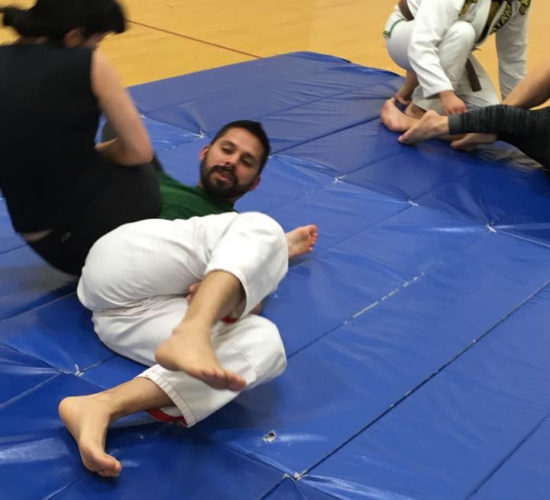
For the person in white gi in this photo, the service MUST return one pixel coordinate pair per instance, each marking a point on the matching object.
(433, 40)
(138, 280)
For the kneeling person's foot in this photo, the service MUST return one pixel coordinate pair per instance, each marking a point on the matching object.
(394, 118)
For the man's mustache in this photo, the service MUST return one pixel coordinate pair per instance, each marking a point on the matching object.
(223, 168)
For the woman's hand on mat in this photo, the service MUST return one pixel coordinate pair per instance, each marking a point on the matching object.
(402, 98)
(404, 94)
(452, 104)
(470, 141)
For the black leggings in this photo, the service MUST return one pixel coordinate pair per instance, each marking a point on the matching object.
(528, 130)
(129, 194)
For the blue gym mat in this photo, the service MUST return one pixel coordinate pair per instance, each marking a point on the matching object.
(416, 331)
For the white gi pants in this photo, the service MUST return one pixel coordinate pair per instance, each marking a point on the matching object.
(454, 50)
(135, 280)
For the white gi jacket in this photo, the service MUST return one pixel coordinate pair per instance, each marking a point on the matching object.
(434, 17)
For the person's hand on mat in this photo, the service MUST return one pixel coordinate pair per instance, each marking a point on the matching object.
(404, 95)
(402, 98)
(470, 141)
(452, 104)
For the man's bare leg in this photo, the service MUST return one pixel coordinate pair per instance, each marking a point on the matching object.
(431, 125)
(394, 118)
(301, 240)
(404, 94)
(88, 417)
(189, 348)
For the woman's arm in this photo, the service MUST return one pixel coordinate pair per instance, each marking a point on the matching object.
(533, 90)
(131, 145)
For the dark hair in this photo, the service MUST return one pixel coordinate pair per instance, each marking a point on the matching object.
(256, 129)
(55, 18)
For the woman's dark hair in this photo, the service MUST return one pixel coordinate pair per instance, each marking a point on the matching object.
(53, 19)
(256, 129)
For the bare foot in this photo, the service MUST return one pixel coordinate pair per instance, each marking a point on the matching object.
(393, 118)
(190, 351)
(430, 125)
(470, 141)
(301, 240)
(87, 419)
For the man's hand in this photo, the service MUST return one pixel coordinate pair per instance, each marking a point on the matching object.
(451, 103)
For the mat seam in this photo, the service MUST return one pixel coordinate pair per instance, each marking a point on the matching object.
(412, 391)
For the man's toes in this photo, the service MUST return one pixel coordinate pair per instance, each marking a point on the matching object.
(235, 382)
(236, 386)
(102, 464)
(109, 473)
(114, 468)
(214, 379)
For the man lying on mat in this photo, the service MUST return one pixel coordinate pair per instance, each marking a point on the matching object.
(203, 352)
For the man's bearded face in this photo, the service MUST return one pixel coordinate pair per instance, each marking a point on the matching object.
(230, 166)
(220, 181)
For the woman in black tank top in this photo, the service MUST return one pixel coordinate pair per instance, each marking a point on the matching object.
(62, 190)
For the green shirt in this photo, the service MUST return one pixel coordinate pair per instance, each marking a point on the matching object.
(179, 201)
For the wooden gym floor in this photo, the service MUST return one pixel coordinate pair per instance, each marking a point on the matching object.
(172, 37)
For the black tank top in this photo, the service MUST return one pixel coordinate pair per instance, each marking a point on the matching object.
(49, 167)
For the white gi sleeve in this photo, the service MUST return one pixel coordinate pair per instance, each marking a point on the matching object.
(432, 20)
(511, 42)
